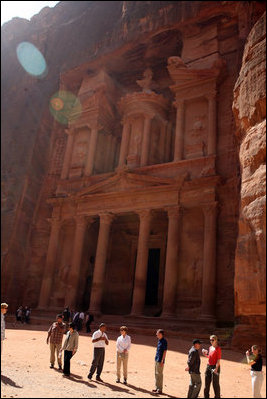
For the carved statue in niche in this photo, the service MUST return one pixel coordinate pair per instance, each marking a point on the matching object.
(177, 62)
(146, 82)
(79, 154)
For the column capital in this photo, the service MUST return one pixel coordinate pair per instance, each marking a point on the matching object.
(210, 208)
(82, 220)
(106, 218)
(54, 221)
(93, 125)
(144, 213)
(173, 211)
(178, 103)
(70, 131)
(211, 95)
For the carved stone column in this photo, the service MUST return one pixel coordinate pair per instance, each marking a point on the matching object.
(124, 142)
(145, 142)
(171, 268)
(139, 292)
(100, 262)
(74, 274)
(179, 132)
(68, 154)
(89, 166)
(212, 124)
(162, 141)
(47, 281)
(209, 262)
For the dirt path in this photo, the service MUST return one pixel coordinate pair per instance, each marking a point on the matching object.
(25, 371)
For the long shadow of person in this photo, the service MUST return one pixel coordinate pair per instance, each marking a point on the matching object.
(115, 387)
(149, 392)
(6, 380)
(79, 379)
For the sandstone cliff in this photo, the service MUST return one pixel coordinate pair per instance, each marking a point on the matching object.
(249, 108)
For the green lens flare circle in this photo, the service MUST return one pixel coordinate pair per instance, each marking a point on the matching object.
(65, 107)
(31, 59)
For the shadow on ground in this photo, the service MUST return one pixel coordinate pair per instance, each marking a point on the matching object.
(6, 380)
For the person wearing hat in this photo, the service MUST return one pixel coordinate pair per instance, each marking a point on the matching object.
(4, 307)
(55, 334)
(193, 369)
(99, 340)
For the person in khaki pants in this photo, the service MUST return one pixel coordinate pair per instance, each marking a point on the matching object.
(123, 345)
(55, 334)
(160, 360)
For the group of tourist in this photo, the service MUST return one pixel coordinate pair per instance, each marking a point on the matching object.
(123, 345)
(22, 315)
(79, 318)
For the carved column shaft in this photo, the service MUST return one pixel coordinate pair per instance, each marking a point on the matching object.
(162, 141)
(89, 166)
(212, 125)
(145, 142)
(171, 268)
(209, 261)
(74, 275)
(124, 142)
(100, 263)
(67, 156)
(179, 133)
(47, 281)
(141, 263)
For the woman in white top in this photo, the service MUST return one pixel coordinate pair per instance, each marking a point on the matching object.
(123, 345)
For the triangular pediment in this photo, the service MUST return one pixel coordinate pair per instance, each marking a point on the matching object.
(125, 181)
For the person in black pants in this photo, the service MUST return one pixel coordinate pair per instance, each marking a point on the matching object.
(193, 368)
(70, 347)
(99, 340)
(212, 373)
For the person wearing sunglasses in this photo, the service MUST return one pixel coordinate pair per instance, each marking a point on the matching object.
(212, 372)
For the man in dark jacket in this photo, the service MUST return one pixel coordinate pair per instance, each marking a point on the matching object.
(193, 368)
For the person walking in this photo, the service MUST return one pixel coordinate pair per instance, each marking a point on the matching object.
(88, 321)
(123, 345)
(4, 308)
(160, 360)
(193, 369)
(99, 340)
(70, 347)
(55, 335)
(254, 359)
(66, 314)
(212, 372)
(27, 314)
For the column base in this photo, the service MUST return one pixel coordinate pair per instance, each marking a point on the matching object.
(207, 318)
(168, 315)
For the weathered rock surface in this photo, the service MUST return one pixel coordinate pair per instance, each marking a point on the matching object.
(249, 107)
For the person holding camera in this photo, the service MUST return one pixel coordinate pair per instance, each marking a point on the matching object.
(212, 372)
(99, 340)
(254, 359)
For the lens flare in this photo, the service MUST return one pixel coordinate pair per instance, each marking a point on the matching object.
(31, 59)
(65, 107)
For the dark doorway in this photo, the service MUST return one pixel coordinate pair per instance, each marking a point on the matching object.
(152, 281)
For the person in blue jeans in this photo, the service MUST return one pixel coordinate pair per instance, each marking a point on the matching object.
(160, 360)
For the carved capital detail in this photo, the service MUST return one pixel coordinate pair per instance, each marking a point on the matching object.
(174, 211)
(210, 208)
(144, 214)
(106, 218)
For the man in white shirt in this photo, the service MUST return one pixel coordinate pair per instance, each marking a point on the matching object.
(99, 340)
(123, 345)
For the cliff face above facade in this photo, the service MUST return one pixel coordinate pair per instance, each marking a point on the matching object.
(249, 108)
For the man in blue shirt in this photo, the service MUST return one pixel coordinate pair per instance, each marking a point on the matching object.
(160, 360)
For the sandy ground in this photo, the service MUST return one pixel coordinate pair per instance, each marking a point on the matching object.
(25, 371)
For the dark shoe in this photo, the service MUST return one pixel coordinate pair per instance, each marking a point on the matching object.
(59, 367)
(99, 379)
(117, 380)
(159, 391)
(51, 366)
(155, 390)
(89, 377)
(65, 375)
(125, 381)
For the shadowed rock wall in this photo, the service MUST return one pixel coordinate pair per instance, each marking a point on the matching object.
(249, 108)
